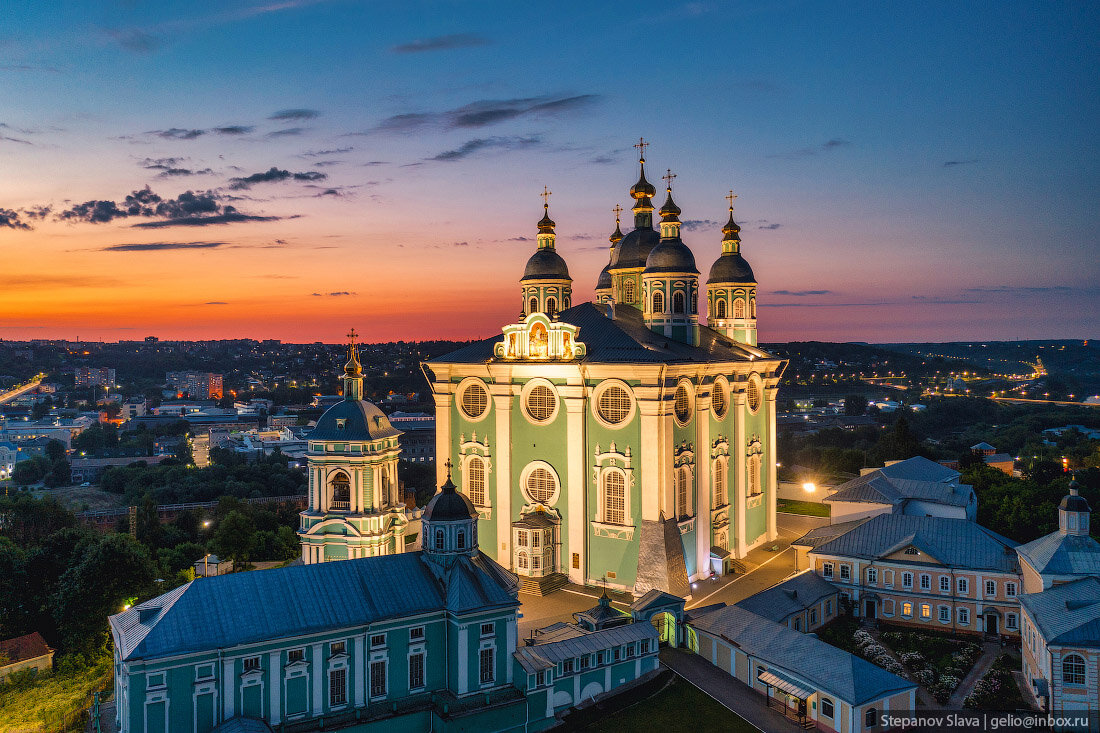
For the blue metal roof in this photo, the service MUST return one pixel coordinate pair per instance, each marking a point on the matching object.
(1062, 554)
(264, 605)
(793, 595)
(832, 670)
(1067, 614)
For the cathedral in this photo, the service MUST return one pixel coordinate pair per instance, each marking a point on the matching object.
(622, 442)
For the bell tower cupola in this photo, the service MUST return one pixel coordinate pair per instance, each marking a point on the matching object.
(604, 289)
(670, 281)
(546, 285)
(449, 525)
(731, 287)
(1073, 513)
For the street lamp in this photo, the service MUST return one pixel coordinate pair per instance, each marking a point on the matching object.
(809, 487)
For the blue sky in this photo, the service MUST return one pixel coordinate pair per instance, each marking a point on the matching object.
(904, 173)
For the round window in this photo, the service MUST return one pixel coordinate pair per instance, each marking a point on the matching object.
(718, 400)
(475, 400)
(682, 408)
(752, 393)
(613, 405)
(541, 485)
(541, 403)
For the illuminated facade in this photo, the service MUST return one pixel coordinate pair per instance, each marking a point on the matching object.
(618, 442)
(355, 507)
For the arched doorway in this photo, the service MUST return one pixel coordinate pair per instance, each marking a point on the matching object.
(665, 624)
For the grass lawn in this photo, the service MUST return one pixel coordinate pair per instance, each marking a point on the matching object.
(51, 701)
(678, 707)
(809, 508)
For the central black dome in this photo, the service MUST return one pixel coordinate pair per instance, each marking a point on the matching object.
(731, 268)
(634, 250)
(671, 255)
(546, 264)
(449, 505)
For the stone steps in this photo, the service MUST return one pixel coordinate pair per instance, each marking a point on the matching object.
(544, 585)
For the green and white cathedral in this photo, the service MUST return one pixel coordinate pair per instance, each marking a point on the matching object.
(355, 507)
(618, 442)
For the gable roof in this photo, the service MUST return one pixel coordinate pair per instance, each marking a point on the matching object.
(793, 595)
(876, 488)
(919, 468)
(1062, 554)
(958, 543)
(22, 648)
(833, 670)
(547, 654)
(827, 533)
(262, 605)
(1067, 614)
(624, 339)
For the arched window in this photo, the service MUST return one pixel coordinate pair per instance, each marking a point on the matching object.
(658, 302)
(719, 482)
(439, 539)
(1073, 670)
(682, 406)
(682, 492)
(551, 306)
(532, 305)
(678, 302)
(537, 341)
(523, 564)
(694, 301)
(566, 301)
(628, 291)
(752, 308)
(341, 491)
(754, 474)
(614, 497)
(475, 481)
(739, 308)
(541, 485)
(461, 543)
(720, 309)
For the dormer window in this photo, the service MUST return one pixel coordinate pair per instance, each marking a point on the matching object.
(341, 423)
(912, 551)
(461, 543)
(439, 539)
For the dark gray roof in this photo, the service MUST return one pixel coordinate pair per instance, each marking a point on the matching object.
(671, 255)
(1062, 554)
(546, 264)
(876, 488)
(827, 533)
(919, 468)
(1074, 503)
(547, 655)
(261, 605)
(999, 458)
(603, 282)
(448, 505)
(242, 725)
(661, 564)
(363, 421)
(982, 446)
(626, 339)
(655, 598)
(1067, 614)
(793, 595)
(634, 249)
(601, 613)
(730, 268)
(957, 543)
(833, 670)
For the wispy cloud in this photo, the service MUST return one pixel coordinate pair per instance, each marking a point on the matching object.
(288, 132)
(1017, 289)
(12, 219)
(692, 225)
(160, 246)
(483, 113)
(335, 294)
(234, 129)
(801, 292)
(228, 216)
(953, 163)
(324, 153)
(441, 43)
(288, 115)
(274, 175)
(479, 145)
(769, 225)
(832, 144)
(190, 208)
(133, 39)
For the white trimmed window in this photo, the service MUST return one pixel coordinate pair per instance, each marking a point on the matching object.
(945, 614)
(658, 302)
(945, 583)
(720, 309)
(719, 402)
(925, 582)
(541, 403)
(487, 665)
(752, 393)
(416, 670)
(682, 475)
(541, 485)
(964, 616)
(628, 291)
(614, 404)
(907, 608)
(614, 497)
(533, 305)
(682, 406)
(872, 575)
(720, 482)
(752, 464)
(739, 308)
(378, 678)
(752, 308)
(1011, 621)
(845, 572)
(906, 580)
(475, 480)
(337, 687)
(827, 570)
(991, 587)
(926, 611)
(1073, 670)
(962, 586)
(1010, 589)
(678, 302)
(474, 400)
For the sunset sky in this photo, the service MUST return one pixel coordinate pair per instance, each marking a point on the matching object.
(905, 172)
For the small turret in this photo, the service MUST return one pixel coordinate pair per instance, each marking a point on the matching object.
(670, 280)
(604, 291)
(449, 524)
(731, 287)
(546, 285)
(353, 371)
(1073, 512)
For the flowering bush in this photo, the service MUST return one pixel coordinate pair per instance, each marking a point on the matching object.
(912, 658)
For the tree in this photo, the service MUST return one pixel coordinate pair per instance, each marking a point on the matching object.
(41, 409)
(149, 531)
(13, 580)
(60, 474)
(970, 459)
(234, 537)
(855, 404)
(30, 471)
(55, 450)
(113, 570)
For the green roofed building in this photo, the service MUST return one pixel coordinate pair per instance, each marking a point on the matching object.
(621, 442)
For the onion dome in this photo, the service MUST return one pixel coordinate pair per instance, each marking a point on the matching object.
(634, 248)
(731, 267)
(449, 504)
(546, 224)
(643, 189)
(353, 420)
(603, 282)
(1073, 502)
(731, 231)
(670, 211)
(671, 255)
(617, 235)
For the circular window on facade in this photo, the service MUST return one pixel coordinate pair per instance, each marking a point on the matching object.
(474, 400)
(614, 405)
(719, 400)
(753, 393)
(540, 403)
(682, 407)
(541, 485)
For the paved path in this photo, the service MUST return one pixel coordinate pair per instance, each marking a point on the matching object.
(727, 690)
(990, 652)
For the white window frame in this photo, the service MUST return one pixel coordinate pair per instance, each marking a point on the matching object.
(826, 570)
(595, 402)
(907, 579)
(526, 473)
(872, 576)
(525, 393)
(461, 390)
(962, 586)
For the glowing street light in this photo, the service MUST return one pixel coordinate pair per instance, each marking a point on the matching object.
(809, 487)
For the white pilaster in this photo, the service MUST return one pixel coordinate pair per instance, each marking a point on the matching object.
(463, 661)
(359, 676)
(649, 410)
(229, 692)
(318, 674)
(771, 456)
(443, 400)
(275, 687)
(738, 451)
(502, 496)
(577, 519)
(702, 485)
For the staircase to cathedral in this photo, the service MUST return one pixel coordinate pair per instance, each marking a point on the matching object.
(544, 585)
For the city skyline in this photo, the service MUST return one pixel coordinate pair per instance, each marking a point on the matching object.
(917, 174)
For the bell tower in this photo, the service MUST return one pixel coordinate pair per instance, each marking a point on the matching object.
(546, 285)
(731, 287)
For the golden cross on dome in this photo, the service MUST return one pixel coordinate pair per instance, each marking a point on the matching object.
(546, 194)
(448, 464)
(642, 145)
(668, 176)
(618, 209)
(352, 335)
(730, 197)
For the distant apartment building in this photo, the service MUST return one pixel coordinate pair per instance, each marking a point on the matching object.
(133, 408)
(95, 377)
(197, 385)
(417, 435)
